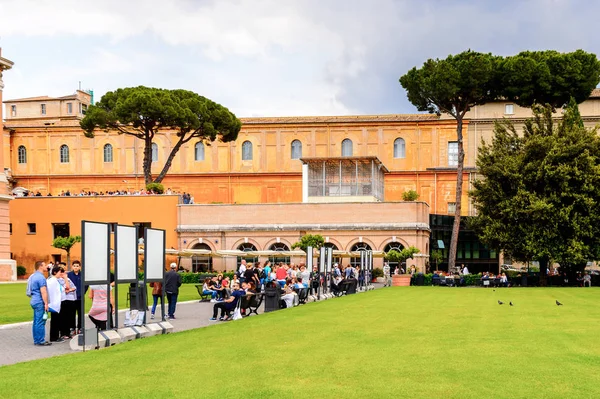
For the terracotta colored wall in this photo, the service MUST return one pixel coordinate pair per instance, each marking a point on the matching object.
(161, 211)
(228, 226)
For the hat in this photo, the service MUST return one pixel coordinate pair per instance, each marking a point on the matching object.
(335, 265)
(173, 265)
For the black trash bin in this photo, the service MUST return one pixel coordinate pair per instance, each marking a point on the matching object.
(137, 296)
(272, 296)
(524, 280)
(420, 279)
(351, 289)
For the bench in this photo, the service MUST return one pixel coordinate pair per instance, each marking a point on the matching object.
(250, 303)
(203, 297)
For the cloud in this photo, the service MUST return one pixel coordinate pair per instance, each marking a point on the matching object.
(272, 57)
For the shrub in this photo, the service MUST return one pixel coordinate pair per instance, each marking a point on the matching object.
(377, 272)
(410, 195)
(155, 187)
(21, 271)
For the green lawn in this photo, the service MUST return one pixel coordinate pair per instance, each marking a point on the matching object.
(405, 342)
(14, 304)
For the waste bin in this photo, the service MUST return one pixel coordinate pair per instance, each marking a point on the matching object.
(420, 279)
(524, 280)
(137, 296)
(272, 296)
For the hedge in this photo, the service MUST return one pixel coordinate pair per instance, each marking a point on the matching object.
(196, 278)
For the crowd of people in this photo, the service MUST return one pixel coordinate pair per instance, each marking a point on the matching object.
(254, 278)
(60, 296)
(186, 198)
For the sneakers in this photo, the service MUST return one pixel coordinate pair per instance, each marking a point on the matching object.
(213, 319)
(59, 340)
(172, 317)
(45, 343)
(213, 301)
(152, 316)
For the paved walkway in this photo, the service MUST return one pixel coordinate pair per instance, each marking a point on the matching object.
(16, 342)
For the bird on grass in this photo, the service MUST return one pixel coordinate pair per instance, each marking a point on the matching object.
(558, 303)
(500, 302)
(511, 304)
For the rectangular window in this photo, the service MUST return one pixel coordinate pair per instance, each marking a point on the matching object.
(69, 108)
(451, 208)
(43, 109)
(509, 109)
(61, 230)
(10, 228)
(453, 153)
(31, 228)
(83, 108)
(13, 110)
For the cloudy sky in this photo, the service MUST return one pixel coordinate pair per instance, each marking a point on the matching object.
(271, 57)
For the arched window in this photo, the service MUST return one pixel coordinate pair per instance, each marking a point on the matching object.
(347, 148)
(201, 263)
(335, 259)
(394, 245)
(399, 148)
(296, 149)
(64, 153)
(154, 152)
(246, 151)
(199, 151)
(279, 246)
(246, 247)
(108, 153)
(359, 246)
(22, 154)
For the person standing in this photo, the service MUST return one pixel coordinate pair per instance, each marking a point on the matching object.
(156, 295)
(386, 275)
(75, 276)
(172, 284)
(55, 294)
(100, 296)
(37, 290)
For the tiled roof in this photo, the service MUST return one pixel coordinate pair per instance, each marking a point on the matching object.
(340, 119)
(38, 98)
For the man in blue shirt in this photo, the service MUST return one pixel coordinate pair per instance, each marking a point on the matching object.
(228, 304)
(37, 290)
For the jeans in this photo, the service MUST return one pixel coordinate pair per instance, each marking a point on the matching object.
(212, 293)
(39, 324)
(172, 304)
(156, 298)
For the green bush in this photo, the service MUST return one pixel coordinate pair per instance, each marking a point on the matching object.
(196, 278)
(410, 195)
(21, 271)
(155, 187)
(377, 272)
(427, 279)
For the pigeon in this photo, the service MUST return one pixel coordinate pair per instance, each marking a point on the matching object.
(500, 303)
(558, 303)
(511, 304)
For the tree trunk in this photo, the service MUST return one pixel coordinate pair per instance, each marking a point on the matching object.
(459, 183)
(147, 162)
(69, 260)
(167, 166)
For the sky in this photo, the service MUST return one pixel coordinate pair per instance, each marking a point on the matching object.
(271, 57)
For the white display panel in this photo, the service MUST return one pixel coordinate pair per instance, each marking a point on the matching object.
(155, 254)
(127, 253)
(95, 251)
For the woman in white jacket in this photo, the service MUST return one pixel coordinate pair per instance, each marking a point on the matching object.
(54, 302)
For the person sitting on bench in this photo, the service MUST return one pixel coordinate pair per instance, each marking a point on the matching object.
(228, 304)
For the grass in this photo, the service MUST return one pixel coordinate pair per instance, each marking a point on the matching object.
(14, 304)
(409, 342)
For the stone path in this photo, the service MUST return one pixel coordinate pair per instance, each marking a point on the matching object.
(16, 342)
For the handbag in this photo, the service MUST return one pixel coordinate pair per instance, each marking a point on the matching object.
(237, 313)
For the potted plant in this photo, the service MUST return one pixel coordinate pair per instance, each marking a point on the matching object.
(401, 257)
(376, 273)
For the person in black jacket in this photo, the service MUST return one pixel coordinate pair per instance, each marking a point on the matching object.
(171, 287)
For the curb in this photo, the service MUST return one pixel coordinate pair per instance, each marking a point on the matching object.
(28, 323)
